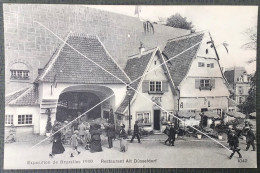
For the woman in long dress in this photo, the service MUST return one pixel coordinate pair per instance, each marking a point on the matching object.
(123, 136)
(95, 145)
(57, 147)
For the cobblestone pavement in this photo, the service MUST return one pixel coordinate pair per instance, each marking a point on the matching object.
(187, 153)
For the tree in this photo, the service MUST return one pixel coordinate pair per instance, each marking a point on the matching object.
(251, 44)
(249, 105)
(177, 21)
(251, 33)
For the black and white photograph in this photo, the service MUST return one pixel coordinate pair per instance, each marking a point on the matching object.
(129, 86)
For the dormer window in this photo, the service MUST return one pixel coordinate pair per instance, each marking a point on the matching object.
(19, 71)
(20, 74)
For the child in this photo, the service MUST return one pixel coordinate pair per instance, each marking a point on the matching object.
(87, 139)
(123, 136)
(74, 143)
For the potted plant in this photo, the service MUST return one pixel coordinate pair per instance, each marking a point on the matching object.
(220, 137)
(48, 125)
(199, 135)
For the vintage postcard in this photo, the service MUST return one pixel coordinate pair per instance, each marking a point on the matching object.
(90, 86)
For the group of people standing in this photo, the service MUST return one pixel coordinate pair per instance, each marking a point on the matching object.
(170, 131)
(87, 136)
(233, 140)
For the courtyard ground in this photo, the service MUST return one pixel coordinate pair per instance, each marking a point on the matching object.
(188, 152)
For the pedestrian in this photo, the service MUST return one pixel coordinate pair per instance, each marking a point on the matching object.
(234, 144)
(250, 139)
(123, 136)
(57, 147)
(95, 145)
(74, 143)
(172, 134)
(167, 132)
(110, 134)
(87, 139)
(136, 133)
(82, 128)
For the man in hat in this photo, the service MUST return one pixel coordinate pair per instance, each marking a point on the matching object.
(167, 132)
(136, 133)
(172, 134)
(234, 143)
(111, 134)
(250, 138)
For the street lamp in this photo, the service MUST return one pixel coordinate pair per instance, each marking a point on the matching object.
(128, 92)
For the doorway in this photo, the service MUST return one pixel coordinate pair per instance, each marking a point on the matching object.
(156, 119)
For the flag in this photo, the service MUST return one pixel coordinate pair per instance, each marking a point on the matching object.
(225, 45)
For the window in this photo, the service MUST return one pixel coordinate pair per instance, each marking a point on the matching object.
(167, 116)
(9, 119)
(219, 111)
(201, 64)
(240, 100)
(152, 86)
(211, 65)
(24, 119)
(20, 74)
(158, 86)
(143, 117)
(240, 90)
(204, 83)
(181, 105)
(155, 86)
(208, 103)
(155, 62)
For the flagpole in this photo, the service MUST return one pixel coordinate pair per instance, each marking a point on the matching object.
(213, 46)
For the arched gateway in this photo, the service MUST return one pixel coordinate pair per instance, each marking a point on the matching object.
(76, 100)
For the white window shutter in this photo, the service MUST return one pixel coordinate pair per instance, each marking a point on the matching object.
(212, 82)
(145, 86)
(197, 83)
(164, 86)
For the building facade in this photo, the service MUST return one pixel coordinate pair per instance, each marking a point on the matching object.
(154, 101)
(240, 82)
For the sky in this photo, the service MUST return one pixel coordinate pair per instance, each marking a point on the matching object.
(225, 23)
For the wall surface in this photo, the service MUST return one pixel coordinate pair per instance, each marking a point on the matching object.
(26, 40)
(25, 110)
(167, 99)
(193, 98)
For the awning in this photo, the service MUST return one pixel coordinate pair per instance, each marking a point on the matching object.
(188, 114)
(211, 114)
(253, 114)
(236, 114)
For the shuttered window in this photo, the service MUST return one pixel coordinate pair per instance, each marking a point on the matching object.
(145, 86)
(154, 86)
(204, 84)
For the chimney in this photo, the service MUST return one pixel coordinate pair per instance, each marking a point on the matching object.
(141, 48)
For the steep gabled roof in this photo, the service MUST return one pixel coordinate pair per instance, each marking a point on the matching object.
(179, 66)
(14, 96)
(135, 68)
(69, 65)
(26, 97)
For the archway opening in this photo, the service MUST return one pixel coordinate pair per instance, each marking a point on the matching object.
(72, 104)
